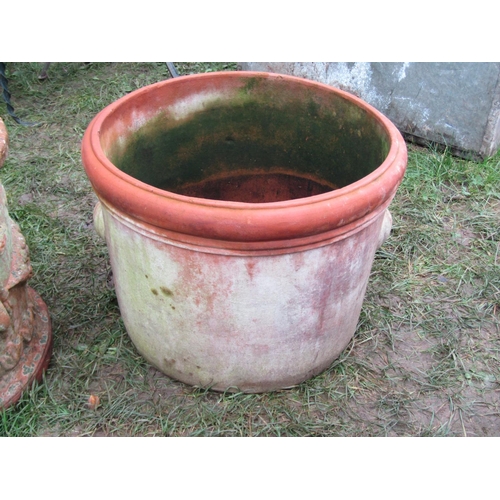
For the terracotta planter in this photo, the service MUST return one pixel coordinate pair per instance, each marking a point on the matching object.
(242, 212)
(25, 331)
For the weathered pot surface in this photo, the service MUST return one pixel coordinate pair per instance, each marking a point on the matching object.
(25, 330)
(242, 212)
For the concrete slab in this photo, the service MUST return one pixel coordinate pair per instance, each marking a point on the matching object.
(452, 104)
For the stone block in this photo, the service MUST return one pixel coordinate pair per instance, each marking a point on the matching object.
(452, 104)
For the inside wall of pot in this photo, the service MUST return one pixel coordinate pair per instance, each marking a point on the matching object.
(262, 143)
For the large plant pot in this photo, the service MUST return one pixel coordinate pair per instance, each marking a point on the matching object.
(242, 212)
(25, 330)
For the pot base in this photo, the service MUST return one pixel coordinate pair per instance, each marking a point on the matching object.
(35, 358)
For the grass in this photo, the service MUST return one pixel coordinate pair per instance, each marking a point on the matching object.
(425, 360)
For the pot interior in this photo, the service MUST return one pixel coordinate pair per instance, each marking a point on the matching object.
(260, 140)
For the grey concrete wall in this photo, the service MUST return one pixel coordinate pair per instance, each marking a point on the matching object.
(454, 104)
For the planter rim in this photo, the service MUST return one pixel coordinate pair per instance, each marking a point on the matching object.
(239, 221)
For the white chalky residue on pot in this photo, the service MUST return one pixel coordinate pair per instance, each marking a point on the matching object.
(192, 104)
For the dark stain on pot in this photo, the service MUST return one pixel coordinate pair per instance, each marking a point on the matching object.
(263, 144)
(154, 291)
(166, 291)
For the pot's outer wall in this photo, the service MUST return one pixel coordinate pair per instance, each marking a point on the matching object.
(230, 295)
(238, 322)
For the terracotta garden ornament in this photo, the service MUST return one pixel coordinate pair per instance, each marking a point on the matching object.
(25, 330)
